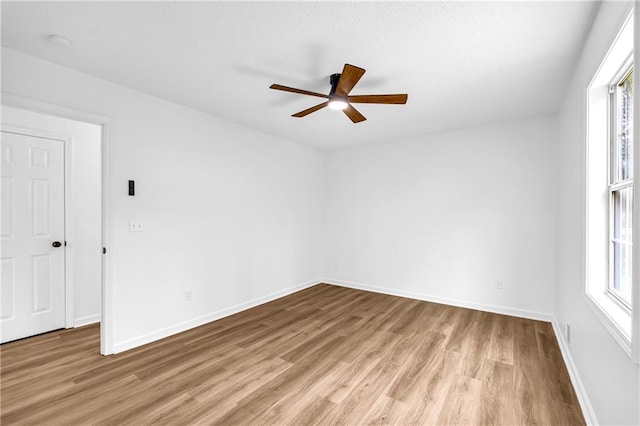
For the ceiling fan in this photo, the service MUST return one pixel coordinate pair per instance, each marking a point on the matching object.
(339, 98)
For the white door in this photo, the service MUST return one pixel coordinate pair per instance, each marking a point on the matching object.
(32, 271)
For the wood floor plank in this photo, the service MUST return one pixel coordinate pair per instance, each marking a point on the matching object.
(313, 413)
(530, 375)
(386, 411)
(428, 403)
(559, 386)
(461, 331)
(476, 345)
(463, 402)
(501, 344)
(359, 369)
(325, 355)
(358, 401)
(413, 371)
(498, 389)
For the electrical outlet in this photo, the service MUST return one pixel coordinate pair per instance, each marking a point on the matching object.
(135, 226)
(499, 285)
(187, 296)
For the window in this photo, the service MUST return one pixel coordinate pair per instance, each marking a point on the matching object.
(621, 187)
(609, 287)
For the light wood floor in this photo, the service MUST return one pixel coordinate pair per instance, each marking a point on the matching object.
(325, 355)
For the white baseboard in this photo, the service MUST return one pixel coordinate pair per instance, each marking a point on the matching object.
(213, 316)
(89, 319)
(587, 409)
(541, 316)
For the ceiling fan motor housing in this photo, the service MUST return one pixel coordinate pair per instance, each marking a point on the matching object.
(334, 79)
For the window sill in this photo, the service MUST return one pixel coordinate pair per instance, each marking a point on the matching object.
(614, 317)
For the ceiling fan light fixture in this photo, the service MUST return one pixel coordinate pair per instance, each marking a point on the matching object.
(338, 104)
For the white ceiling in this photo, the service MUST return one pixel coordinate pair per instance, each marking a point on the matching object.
(462, 63)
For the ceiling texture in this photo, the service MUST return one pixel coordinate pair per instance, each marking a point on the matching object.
(463, 64)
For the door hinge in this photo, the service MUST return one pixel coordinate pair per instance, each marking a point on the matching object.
(104, 250)
(612, 89)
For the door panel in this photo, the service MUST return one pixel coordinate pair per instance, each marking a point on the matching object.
(7, 207)
(33, 289)
(39, 207)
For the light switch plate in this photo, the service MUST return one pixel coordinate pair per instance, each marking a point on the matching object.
(135, 226)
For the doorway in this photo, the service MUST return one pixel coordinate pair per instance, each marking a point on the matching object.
(77, 262)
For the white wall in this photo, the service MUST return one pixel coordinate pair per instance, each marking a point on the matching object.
(609, 376)
(445, 216)
(230, 214)
(84, 241)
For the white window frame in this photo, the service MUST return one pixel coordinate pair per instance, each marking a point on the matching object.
(614, 184)
(615, 316)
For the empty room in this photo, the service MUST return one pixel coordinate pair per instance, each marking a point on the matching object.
(319, 213)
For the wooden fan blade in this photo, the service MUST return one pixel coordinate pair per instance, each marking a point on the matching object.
(299, 91)
(353, 114)
(349, 78)
(379, 99)
(310, 110)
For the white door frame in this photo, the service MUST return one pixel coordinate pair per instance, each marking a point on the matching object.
(11, 100)
(68, 213)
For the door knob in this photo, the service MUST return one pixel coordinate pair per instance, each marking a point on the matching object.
(56, 244)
